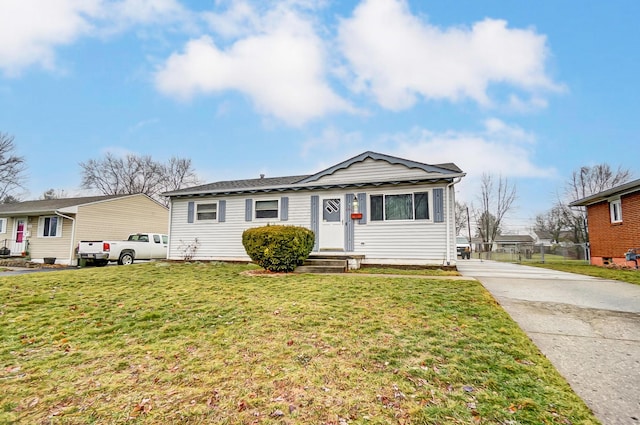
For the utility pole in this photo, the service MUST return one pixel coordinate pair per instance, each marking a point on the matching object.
(469, 229)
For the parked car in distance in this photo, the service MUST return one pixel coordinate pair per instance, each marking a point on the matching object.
(463, 247)
(138, 246)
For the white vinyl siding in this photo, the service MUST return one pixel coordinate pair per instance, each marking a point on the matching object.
(416, 240)
(223, 240)
(419, 240)
(371, 170)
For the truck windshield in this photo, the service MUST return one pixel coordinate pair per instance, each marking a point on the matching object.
(139, 238)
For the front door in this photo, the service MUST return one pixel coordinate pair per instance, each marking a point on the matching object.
(331, 236)
(20, 228)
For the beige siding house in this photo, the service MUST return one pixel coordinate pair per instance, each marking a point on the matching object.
(52, 228)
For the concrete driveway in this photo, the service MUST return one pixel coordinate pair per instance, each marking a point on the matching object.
(589, 328)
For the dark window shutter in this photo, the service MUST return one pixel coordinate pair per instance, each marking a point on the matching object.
(284, 208)
(315, 219)
(362, 206)
(438, 205)
(222, 210)
(349, 228)
(248, 209)
(190, 212)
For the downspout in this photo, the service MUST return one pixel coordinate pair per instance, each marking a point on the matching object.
(73, 234)
(448, 220)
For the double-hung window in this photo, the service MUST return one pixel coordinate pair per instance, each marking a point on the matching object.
(50, 227)
(406, 206)
(3, 225)
(615, 210)
(267, 209)
(207, 212)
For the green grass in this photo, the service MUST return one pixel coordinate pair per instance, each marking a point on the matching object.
(625, 275)
(401, 271)
(203, 343)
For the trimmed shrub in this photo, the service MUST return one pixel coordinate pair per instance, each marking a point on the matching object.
(278, 248)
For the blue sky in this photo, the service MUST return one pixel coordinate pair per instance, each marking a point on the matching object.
(529, 91)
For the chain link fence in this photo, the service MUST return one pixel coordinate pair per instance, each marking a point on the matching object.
(532, 253)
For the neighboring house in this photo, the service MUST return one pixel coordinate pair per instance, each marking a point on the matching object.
(513, 243)
(374, 207)
(543, 238)
(52, 228)
(613, 218)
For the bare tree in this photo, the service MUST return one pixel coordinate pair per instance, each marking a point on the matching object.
(178, 174)
(584, 182)
(12, 167)
(553, 222)
(53, 194)
(496, 199)
(461, 217)
(587, 181)
(10, 199)
(131, 174)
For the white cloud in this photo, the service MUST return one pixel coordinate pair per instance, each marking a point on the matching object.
(498, 149)
(238, 20)
(148, 11)
(281, 67)
(32, 30)
(398, 57)
(333, 140)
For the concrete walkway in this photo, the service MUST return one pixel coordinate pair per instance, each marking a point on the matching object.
(589, 328)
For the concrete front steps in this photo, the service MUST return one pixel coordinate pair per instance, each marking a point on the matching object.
(329, 263)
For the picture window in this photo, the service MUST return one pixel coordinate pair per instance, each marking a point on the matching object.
(408, 206)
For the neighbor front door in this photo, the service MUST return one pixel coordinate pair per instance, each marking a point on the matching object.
(20, 228)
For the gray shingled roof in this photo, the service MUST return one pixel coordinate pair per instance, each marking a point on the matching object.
(448, 170)
(513, 238)
(242, 184)
(50, 205)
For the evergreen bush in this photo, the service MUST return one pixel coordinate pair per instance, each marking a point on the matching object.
(278, 248)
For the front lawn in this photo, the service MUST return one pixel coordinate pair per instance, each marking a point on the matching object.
(406, 271)
(625, 275)
(169, 343)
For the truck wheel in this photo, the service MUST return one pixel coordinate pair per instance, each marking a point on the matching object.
(125, 259)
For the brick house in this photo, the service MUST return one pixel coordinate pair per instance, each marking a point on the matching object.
(613, 218)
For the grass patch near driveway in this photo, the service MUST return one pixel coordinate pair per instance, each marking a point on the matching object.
(203, 343)
(625, 275)
(401, 271)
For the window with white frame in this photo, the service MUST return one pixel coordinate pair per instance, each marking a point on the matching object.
(207, 212)
(50, 227)
(267, 209)
(615, 209)
(406, 206)
(3, 225)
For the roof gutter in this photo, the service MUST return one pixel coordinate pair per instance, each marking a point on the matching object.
(73, 234)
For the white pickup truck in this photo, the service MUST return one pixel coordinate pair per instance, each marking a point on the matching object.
(138, 246)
